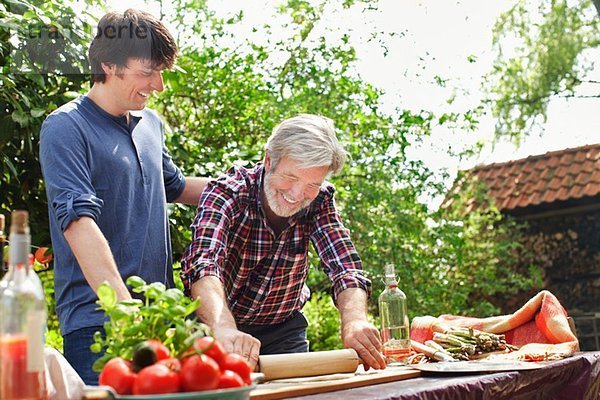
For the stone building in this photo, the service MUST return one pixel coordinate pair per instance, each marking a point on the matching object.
(558, 195)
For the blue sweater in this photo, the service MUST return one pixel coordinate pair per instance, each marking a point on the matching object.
(122, 176)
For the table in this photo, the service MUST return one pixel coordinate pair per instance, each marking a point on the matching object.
(574, 378)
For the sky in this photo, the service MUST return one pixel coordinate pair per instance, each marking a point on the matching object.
(441, 35)
(435, 38)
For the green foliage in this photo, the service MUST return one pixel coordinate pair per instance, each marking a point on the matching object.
(42, 67)
(447, 264)
(220, 105)
(473, 251)
(53, 337)
(458, 260)
(549, 61)
(162, 315)
(323, 331)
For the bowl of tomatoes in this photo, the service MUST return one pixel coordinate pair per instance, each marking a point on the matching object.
(204, 371)
(154, 349)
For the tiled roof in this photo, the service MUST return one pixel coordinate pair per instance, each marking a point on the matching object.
(555, 176)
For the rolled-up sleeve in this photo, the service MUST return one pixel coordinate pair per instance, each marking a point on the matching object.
(208, 250)
(71, 205)
(65, 167)
(172, 175)
(339, 258)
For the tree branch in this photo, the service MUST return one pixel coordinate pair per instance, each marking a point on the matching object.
(594, 96)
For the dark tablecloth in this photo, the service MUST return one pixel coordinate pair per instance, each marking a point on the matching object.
(574, 378)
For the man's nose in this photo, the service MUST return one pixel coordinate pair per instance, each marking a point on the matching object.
(297, 191)
(157, 82)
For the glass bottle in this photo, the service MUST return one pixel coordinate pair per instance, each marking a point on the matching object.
(394, 319)
(22, 320)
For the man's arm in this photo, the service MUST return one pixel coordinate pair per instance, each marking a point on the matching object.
(94, 256)
(72, 197)
(192, 191)
(350, 286)
(357, 332)
(201, 271)
(214, 312)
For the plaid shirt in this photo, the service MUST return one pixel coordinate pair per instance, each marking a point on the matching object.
(264, 275)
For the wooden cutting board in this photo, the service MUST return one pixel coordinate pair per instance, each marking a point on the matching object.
(286, 388)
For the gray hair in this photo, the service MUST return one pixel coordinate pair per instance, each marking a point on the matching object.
(309, 140)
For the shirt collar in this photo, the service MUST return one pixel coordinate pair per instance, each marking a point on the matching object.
(134, 116)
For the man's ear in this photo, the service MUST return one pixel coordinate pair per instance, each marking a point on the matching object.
(267, 161)
(109, 69)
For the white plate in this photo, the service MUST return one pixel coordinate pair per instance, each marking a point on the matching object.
(477, 366)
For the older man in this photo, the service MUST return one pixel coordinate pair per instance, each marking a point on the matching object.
(248, 261)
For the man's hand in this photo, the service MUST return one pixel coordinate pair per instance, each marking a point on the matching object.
(234, 341)
(213, 311)
(357, 332)
(363, 337)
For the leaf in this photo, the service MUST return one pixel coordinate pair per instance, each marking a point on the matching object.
(178, 310)
(172, 296)
(71, 95)
(99, 363)
(192, 307)
(11, 166)
(133, 330)
(38, 80)
(37, 112)
(135, 282)
(155, 290)
(107, 296)
(119, 312)
(96, 347)
(132, 303)
(20, 117)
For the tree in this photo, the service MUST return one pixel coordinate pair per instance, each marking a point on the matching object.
(43, 66)
(219, 107)
(229, 94)
(555, 40)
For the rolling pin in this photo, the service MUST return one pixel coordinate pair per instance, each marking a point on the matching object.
(296, 365)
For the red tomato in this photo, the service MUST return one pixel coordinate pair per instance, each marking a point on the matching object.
(209, 346)
(43, 255)
(156, 379)
(173, 364)
(236, 363)
(162, 352)
(199, 372)
(230, 379)
(118, 375)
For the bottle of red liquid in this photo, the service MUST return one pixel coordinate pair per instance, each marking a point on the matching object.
(22, 320)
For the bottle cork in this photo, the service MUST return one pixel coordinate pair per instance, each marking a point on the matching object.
(19, 223)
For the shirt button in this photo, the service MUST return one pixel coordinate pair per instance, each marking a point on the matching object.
(69, 196)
